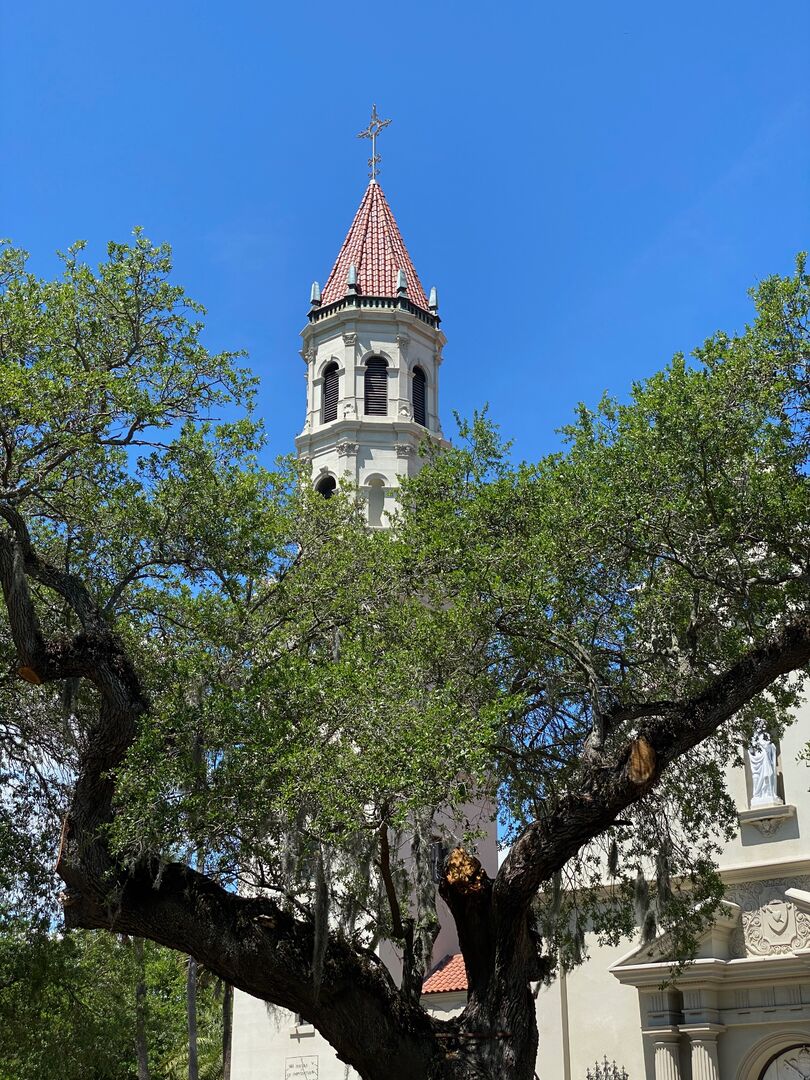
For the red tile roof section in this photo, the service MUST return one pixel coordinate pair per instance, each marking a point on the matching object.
(449, 974)
(374, 245)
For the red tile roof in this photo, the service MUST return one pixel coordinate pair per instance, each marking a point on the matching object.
(374, 245)
(449, 974)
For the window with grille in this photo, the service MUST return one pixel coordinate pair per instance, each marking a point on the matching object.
(419, 396)
(376, 387)
(330, 393)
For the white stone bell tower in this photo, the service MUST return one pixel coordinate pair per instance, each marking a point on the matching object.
(372, 346)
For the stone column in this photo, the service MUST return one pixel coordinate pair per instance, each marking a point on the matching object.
(705, 1065)
(348, 402)
(667, 1060)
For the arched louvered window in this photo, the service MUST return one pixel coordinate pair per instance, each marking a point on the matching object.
(419, 413)
(376, 387)
(330, 393)
(326, 487)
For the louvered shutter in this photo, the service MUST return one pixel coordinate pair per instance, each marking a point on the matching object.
(376, 387)
(419, 396)
(330, 393)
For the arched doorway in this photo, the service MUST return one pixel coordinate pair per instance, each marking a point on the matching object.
(789, 1064)
(772, 1057)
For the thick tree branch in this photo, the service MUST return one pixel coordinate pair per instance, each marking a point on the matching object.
(251, 943)
(257, 947)
(615, 783)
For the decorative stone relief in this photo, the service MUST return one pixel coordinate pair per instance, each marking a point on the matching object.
(402, 342)
(345, 449)
(350, 340)
(768, 825)
(405, 411)
(770, 924)
(404, 449)
(348, 410)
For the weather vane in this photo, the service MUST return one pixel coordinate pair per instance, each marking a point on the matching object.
(371, 132)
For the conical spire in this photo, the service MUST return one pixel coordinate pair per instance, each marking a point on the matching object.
(375, 250)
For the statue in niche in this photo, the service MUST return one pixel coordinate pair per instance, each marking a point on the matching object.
(762, 756)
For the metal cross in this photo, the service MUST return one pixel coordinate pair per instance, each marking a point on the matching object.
(371, 132)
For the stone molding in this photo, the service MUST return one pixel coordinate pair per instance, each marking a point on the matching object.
(792, 866)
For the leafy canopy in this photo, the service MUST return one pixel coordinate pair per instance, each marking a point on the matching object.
(311, 682)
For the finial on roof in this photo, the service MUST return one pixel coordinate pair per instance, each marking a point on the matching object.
(351, 279)
(433, 302)
(315, 294)
(371, 132)
(402, 283)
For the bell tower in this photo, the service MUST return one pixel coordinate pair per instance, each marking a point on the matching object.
(372, 346)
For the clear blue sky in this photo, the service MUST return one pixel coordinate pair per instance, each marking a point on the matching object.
(590, 186)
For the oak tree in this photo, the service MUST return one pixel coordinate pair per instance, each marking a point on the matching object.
(210, 666)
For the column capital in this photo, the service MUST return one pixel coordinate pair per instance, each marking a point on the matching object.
(702, 1032)
(662, 1034)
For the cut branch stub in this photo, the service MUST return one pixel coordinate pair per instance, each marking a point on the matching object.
(467, 890)
(641, 762)
(463, 873)
(29, 675)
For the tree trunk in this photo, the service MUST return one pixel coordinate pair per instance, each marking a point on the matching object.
(227, 1030)
(141, 1047)
(497, 1034)
(255, 944)
(191, 1012)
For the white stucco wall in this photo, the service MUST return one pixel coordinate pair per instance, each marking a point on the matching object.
(603, 1019)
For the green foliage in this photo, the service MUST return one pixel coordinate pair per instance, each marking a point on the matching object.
(669, 539)
(311, 681)
(67, 1008)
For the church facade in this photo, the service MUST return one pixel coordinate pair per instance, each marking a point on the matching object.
(373, 348)
(741, 1011)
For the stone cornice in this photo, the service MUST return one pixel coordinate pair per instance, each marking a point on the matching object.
(762, 871)
(333, 324)
(400, 304)
(363, 430)
(710, 974)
